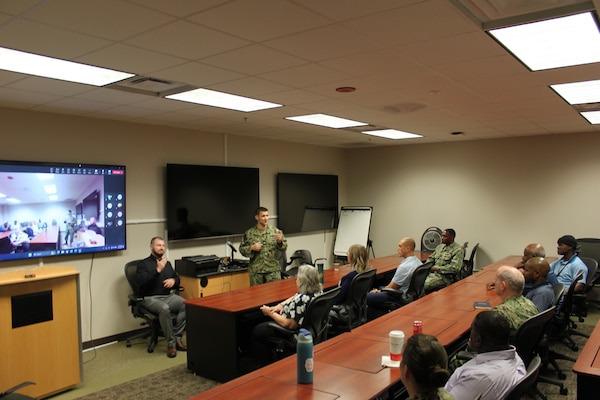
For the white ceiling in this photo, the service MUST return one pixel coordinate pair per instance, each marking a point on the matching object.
(421, 66)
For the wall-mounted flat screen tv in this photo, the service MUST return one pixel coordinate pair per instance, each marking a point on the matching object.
(205, 201)
(306, 202)
(55, 208)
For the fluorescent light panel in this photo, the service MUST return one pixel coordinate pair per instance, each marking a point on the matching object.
(579, 92)
(392, 134)
(328, 121)
(223, 100)
(592, 116)
(553, 43)
(48, 67)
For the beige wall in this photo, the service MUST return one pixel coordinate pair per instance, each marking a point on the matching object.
(501, 193)
(145, 150)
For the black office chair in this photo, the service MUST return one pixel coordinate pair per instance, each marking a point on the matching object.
(353, 312)
(589, 247)
(528, 340)
(316, 320)
(296, 260)
(468, 264)
(528, 381)
(415, 288)
(399, 299)
(11, 395)
(558, 330)
(559, 291)
(153, 330)
(580, 300)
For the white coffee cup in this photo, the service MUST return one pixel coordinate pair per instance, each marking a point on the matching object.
(396, 343)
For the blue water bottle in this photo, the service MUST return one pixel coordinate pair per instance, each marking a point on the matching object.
(304, 354)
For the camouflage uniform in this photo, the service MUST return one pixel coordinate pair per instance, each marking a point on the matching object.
(264, 265)
(449, 258)
(516, 309)
(439, 394)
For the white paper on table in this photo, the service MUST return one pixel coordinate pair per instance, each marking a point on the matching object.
(386, 361)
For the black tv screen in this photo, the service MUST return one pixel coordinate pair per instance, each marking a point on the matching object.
(35, 200)
(205, 201)
(306, 202)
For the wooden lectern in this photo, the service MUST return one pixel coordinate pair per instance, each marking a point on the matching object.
(40, 330)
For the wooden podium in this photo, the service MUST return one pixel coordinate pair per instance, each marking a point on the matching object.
(40, 330)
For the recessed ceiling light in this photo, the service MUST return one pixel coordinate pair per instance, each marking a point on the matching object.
(48, 67)
(326, 120)
(579, 92)
(223, 100)
(592, 116)
(553, 43)
(392, 134)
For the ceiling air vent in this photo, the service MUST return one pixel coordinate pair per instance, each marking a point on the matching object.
(150, 86)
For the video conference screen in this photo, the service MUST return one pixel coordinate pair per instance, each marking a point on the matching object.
(54, 209)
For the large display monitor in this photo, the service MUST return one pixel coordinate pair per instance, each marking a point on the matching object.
(56, 208)
(306, 202)
(205, 201)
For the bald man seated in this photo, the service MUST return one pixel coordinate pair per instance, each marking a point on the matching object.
(535, 271)
(515, 307)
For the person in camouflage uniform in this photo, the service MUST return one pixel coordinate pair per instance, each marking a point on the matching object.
(260, 243)
(423, 369)
(515, 307)
(508, 285)
(447, 261)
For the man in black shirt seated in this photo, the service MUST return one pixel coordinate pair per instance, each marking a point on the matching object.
(157, 279)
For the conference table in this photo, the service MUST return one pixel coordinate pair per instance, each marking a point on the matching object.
(349, 366)
(346, 366)
(587, 367)
(219, 327)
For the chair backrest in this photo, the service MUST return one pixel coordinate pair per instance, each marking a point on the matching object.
(282, 257)
(592, 266)
(316, 316)
(430, 239)
(559, 291)
(530, 333)
(589, 247)
(568, 301)
(417, 282)
(131, 275)
(356, 302)
(468, 264)
(561, 319)
(533, 370)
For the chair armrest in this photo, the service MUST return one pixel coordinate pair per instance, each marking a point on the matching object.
(465, 355)
(392, 292)
(280, 329)
(447, 272)
(134, 299)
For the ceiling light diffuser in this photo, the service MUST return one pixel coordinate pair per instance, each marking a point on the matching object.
(592, 116)
(392, 134)
(553, 43)
(48, 67)
(579, 92)
(326, 121)
(223, 100)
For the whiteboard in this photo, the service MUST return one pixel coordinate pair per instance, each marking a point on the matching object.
(353, 228)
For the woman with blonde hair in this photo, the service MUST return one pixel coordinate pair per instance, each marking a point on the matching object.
(358, 258)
